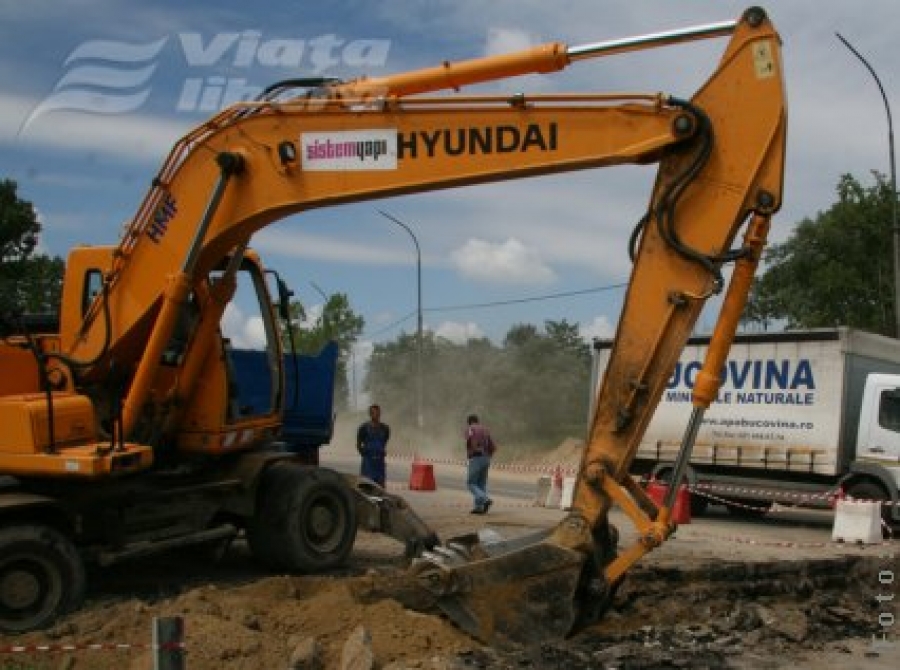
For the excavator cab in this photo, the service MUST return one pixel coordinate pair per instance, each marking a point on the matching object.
(237, 395)
(58, 422)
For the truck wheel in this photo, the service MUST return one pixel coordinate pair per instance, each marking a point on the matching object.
(699, 504)
(305, 521)
(866, 489)
(41, 577)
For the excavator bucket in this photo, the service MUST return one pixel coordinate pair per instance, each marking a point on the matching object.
(519, 591)
(532, 589)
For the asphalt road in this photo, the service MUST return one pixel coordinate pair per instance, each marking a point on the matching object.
(448, 477)
(521, 487)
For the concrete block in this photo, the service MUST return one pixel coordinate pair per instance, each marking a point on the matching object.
(554, 496)
(568, 493)
(544, 483)
(857, 521)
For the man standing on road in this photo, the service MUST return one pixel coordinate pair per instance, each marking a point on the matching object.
(479, 449)
(371, 443)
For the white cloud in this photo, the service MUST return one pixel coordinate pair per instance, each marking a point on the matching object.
(297, 244)
(459, 333)
(255, 333)
(509, 40)
(600, 327)
(581, 219)
(504, 40)
(134, 137)
(244, 332)
(506, 262)
(313, 314)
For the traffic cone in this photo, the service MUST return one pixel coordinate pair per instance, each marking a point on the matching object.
(421, 477)
(681, 508)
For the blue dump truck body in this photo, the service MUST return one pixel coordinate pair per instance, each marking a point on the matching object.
(308, 394)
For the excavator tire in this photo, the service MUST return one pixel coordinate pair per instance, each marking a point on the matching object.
(41, 577)
(305, 520)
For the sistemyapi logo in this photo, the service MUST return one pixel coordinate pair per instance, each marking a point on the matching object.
(112, 77)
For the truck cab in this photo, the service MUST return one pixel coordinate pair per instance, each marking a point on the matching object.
(878, 438)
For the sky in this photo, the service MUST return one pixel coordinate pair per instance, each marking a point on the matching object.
(93, 94)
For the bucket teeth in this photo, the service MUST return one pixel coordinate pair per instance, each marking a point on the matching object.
(446, 555)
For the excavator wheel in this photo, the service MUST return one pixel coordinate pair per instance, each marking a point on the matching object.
(41, 577)
(305, 520)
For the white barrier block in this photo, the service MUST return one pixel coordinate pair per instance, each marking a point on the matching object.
(857, 521)
(568, 493)
(544, 484)
(555, 495)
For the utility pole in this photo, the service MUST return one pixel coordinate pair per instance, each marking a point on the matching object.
(894, 226)
(420, 418)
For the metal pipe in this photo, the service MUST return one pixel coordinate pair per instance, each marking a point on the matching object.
(651, 40)
(544, 58)
(684, 455)
(229, 164)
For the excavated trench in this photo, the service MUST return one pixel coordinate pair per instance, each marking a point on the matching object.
(697, 614)
(724, 615)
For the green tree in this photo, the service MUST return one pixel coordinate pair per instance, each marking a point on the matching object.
(28, 282)
(337, 322)
(835, 269)
(520, 334)
(532, 391)
(546, 380)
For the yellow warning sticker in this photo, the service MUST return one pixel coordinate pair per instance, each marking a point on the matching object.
(763, 60)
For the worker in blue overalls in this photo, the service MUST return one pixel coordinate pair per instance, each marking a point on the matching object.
(371, 443)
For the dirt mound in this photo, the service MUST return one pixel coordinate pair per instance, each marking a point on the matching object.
(252, 626)
(567, 454)
(730, 617)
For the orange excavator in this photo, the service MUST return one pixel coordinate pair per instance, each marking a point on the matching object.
(122, 432)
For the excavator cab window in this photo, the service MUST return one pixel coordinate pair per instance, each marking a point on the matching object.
(252, 349)
(93, 284)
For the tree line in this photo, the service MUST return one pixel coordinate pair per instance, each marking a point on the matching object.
(532, 389)
(30, 281)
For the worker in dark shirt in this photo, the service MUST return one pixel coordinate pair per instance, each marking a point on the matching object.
(480, 448)
(371, 443)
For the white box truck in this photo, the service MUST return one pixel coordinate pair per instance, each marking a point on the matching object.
(800, 416)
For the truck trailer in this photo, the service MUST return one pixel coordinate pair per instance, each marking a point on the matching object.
(801, 418)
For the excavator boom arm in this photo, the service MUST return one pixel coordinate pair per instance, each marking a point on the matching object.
(728, 178)
(286, 159)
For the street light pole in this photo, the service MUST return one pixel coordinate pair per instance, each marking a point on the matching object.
(894, 226)
(421, 421)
